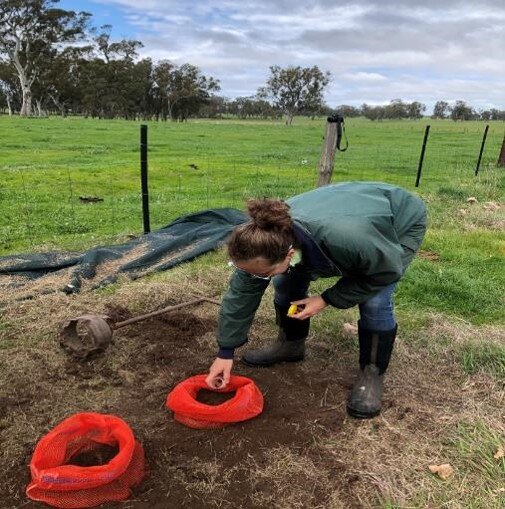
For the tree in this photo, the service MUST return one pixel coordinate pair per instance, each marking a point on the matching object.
(373, 112)
(58, 82)
(348, 111)
(162, 76)
(111, 83)
(461, 111)
(9, 88)
(497, 114)
(295, 89)
(441, 109)
(485, 115)
(216, 107)
(28, 29)
(126, 49)
(396, 109)
(253, 106)
(416, 109)
(185, 89)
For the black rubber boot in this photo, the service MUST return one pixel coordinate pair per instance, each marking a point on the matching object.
(290, 343)
(375, 348)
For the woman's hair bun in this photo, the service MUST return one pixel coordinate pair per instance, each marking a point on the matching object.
(269, 214)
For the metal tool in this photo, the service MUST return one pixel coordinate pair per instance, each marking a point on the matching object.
(88, 335)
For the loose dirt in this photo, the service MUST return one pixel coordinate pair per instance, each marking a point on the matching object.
(302, 451)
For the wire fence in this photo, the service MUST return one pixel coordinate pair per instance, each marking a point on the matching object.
(51, 205)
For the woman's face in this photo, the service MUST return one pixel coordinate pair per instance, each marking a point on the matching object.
(262, 268)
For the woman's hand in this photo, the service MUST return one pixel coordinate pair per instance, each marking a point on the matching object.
(313, 305)
(219, 373)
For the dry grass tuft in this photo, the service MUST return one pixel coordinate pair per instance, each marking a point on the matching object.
(280, 481)
(490, 215)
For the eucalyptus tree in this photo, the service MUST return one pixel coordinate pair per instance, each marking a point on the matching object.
(295, 89)
(441, 109)
(112, 82)
(415, 109)
(188, 90)
(59, 84)
(10, 93)
(28, 28)
(462, 111)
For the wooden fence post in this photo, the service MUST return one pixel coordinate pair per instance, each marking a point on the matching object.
(328, 152)
(501, 157)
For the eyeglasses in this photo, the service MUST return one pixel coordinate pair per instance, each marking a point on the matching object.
(256, 276)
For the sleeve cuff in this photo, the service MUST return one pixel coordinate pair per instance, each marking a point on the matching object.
(226, 353)
(326, 298)
(339, 304)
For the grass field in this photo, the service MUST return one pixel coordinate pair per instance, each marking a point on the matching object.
(447, 388)
(47, 164)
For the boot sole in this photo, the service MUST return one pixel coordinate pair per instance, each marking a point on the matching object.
(362, 415)
(267, 364)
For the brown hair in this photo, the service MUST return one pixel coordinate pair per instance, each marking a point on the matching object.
(268, 234)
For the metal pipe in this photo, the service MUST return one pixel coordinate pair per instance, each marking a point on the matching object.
(135, 319)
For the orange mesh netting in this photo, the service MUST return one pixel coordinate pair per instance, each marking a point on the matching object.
(58, 482)
(246, 404)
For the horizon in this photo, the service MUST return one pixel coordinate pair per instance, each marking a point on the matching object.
(376, 51)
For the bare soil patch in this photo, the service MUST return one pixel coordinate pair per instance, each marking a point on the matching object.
(302, 451)
(428, 254)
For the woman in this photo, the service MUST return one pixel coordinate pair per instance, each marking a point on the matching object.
(363, 233)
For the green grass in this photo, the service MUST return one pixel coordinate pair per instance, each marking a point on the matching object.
(484, 357)
(472, 447)
(467, 280)
(47, 164)
(478, 477)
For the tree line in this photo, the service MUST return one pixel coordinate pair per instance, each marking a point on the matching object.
(55, 61)
(398, 109)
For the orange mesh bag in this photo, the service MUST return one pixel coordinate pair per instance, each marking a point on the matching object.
(60, 484)
(246, 404)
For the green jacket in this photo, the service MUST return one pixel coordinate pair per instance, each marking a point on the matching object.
(365, 234)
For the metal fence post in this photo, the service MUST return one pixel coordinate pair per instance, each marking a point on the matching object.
(143, 178)
(481, 149)
(421, 159)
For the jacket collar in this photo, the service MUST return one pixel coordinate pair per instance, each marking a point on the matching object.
(312, 255)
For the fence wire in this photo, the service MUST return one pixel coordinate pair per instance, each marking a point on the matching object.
(47, 205)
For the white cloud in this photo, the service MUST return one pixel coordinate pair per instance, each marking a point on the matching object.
(372, 77)
(377, 50)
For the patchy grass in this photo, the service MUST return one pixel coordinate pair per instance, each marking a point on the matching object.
(444, 392)
(435, 411)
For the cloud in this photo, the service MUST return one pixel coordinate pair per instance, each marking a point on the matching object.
(376, 50)
(371, 77)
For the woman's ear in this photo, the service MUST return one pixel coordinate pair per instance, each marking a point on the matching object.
(291, 252)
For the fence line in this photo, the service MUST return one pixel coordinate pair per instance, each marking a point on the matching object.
(178, 187)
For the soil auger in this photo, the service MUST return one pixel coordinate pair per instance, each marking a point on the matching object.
(88, 335)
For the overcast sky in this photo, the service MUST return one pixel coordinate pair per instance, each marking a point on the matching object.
(376, 50)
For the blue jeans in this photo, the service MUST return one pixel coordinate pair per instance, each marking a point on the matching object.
(377, 313)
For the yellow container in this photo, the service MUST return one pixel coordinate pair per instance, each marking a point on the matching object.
(293, 309)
